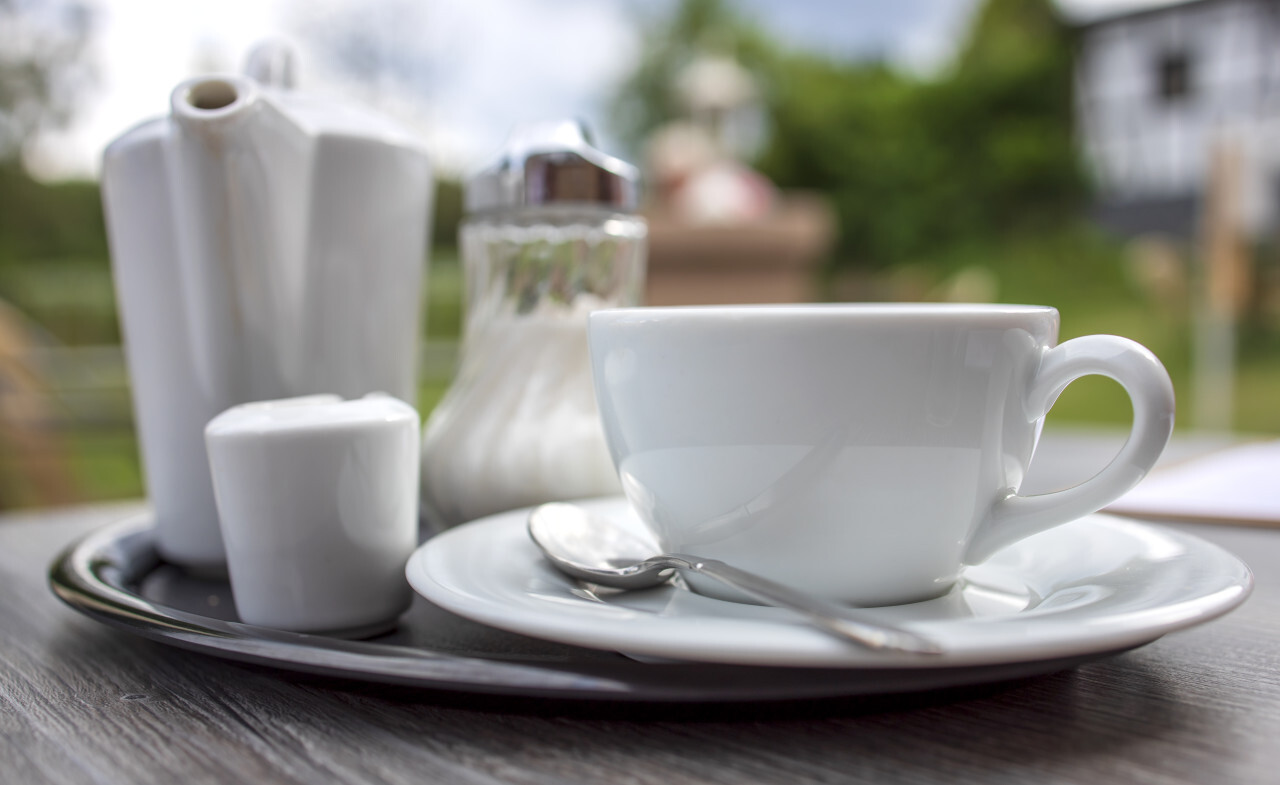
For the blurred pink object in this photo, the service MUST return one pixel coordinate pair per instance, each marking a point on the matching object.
(724, 192)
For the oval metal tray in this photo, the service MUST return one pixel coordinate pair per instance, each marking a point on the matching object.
(115, 576)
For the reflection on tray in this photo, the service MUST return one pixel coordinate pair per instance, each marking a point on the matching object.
(170, 586)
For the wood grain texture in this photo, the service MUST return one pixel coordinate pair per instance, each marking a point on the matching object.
(80, 702)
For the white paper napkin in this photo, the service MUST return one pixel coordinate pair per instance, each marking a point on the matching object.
(1236, 485)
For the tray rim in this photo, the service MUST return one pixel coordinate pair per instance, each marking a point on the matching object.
(90, 574)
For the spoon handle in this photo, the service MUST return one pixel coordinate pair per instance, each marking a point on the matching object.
(841, 621)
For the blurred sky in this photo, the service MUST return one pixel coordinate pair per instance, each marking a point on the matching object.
(470, 68)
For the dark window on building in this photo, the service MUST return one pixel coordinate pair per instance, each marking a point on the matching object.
(1173, 76)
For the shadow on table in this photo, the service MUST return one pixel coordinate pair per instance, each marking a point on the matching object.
(1119, 687)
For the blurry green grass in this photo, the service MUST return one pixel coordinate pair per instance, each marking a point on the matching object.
(442, 296)
(1083, 274)
(105, 464)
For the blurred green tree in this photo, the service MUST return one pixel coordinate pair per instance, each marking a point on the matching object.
(649, 97)
(914, 167)
(1008, 116)
(852, 131)
(917, 167)
(43, 69)
(43, 73)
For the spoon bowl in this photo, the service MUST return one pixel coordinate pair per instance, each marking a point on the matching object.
(588, 548)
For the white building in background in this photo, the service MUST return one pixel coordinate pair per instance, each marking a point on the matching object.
(1158, 89)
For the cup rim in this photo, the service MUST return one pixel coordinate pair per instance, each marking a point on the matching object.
(826, 310)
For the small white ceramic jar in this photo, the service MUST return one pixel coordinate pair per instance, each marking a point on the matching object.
(318, 502)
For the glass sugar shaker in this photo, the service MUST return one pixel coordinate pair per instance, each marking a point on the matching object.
(551, 234)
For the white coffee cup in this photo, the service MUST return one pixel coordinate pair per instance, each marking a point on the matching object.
(318, 499)
(865, 453)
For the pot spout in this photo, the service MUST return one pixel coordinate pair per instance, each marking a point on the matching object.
(215, 170)
(210, 106)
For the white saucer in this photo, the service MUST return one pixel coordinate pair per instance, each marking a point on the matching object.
(1096, 585)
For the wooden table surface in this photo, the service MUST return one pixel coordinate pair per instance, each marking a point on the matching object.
(81, 702)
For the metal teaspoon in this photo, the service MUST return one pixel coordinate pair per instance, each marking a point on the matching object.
(595, 549)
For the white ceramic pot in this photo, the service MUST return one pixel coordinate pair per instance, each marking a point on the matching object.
(265, 244)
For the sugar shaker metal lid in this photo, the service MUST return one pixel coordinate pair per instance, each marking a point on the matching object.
(553, 163)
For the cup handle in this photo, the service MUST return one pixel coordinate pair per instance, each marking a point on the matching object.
(1014, 517)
